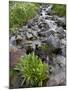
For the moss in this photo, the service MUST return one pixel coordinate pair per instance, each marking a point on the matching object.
(59, 9)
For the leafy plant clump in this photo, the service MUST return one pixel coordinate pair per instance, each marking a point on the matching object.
(20, 13)
(33, 70)
(59, 9)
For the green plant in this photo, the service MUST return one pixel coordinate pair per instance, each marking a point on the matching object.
(59, 9)
(20, 13)
(33, 70)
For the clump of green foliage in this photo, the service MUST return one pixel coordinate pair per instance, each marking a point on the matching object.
(33, 70)
(59, 9)
(20, 13)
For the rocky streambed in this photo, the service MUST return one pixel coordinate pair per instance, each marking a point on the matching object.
(46, 29)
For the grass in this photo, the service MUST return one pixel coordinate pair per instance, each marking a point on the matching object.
(59, 9)
(33, 70)
(20, 13)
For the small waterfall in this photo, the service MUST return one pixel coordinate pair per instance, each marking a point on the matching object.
(46, 10)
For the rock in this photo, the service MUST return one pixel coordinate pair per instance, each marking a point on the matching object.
(29, 35)
(18, 39)
(36, 42)
(24, 28)
(20, 30)
(29, 25)
(61, 22)
(15, 55)
(60, 30)
(48, 17)
(29, 30)
(61, 60)
(12, 40)
(46, 33)
(34, 33)
(63, 42)
(43, 24)
(48, 9)
(52, 25)
(26, 43)
(64, 51)
(41, 34)
(54, 41)
(59, 79)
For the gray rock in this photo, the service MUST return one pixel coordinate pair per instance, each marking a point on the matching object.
(29, 30)
(54, 41)
(63, 42)
(12, 40)
(52, 25)
(61, 60)
(18, 37)
(64, 51)
(59, 79)
(36, 42)
(60, 30)
(61, 35)
(46, 33)
(62, 20)
(28, 35)
(35, 34)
